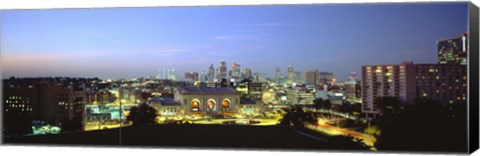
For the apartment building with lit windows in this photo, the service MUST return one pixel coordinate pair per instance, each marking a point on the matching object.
(444, 83)
(387, 80)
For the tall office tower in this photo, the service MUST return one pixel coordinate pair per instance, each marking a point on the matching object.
(203, 76)
(387, 80)
(236, 72)
(247, 73)
(259, 77)
(290, 74)
(352, 87)
(217, 76)
(311, 77)
(278, 74)
(324, 78)
(297, 76)
(191, 76)
(223, 69)
(164, 76)
(167, 74)
(211, 73)
(172, 75)
(159, 76)
(453, 50)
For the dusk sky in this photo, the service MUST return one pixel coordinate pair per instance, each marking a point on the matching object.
(126, 42)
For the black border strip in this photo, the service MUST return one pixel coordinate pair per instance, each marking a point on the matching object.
(473, 106)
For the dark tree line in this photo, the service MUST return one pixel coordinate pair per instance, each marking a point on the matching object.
(18, 124)
(425, 126)
(319, 103)
(142, 115)
(296, 116)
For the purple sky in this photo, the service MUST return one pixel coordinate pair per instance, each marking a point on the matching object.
(127, 42)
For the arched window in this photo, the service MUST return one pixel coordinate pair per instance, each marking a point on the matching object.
(225, 104)
(211, 105)
(195, 105)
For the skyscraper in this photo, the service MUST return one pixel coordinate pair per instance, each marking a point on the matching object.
(191, 76)
(172, 75)
(211, 74)
(247, 73)
(311, 77)
(222, 70)
(324, 78)
(236, 73)
(453, 50)
(290, 74)
(278, 74)
(203, 76)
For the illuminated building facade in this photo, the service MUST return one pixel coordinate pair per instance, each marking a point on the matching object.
(453, 50)
(387, 80)
(208, 100)
(46, 102)
(249, 107)
(300, 96)
(166, 106)
(445, 83)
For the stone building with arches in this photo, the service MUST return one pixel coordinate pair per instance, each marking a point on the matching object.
(208, 100)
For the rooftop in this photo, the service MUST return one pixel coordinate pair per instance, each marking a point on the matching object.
(207, 90)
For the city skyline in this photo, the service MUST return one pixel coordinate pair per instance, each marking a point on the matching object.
(137, 42)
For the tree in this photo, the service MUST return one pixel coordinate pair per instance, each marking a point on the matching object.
(320, 103)
(142, 115)
(71, 125)
(296, 116)
(389, 105)
(418, 127)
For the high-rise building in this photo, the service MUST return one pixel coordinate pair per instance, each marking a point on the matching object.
(247, 73)
(453, 50)
(311, 77)
(46, 102)
(445, 83)
(277, 73)
(236, 72)
(203, 76)
(387, 80)
(259, 77)
(352, 88)
(211, 74)
(324, 78)
(290, 74)
(191, 76)
(297, 76)
(172, 75)
(222, 70)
